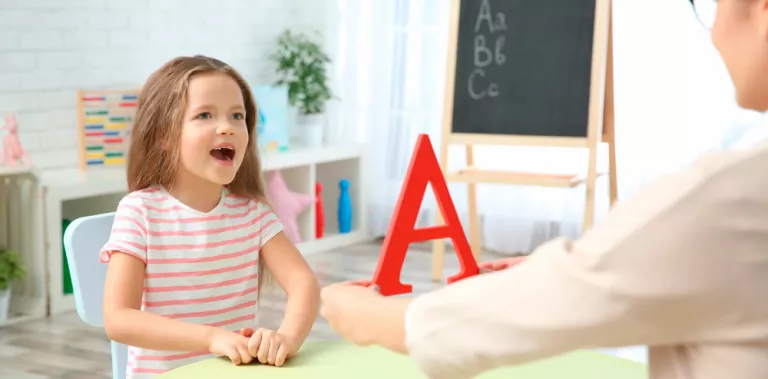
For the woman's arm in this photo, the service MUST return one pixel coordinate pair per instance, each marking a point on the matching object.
(125, 323)
(660, 269)
(667, 267)
(295, 277)
(361, 315)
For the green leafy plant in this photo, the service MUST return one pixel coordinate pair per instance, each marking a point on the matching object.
(301, 65)
(11, 268)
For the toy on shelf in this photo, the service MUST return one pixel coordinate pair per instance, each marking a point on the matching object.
(272, 122)
(345, 207)
(105, 121)
(287, 204)
(13, 152)
(319, 213)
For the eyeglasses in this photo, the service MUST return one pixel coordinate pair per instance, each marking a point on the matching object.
(705, 11)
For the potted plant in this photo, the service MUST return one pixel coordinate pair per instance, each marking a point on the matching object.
(11, 270)
(301, 66)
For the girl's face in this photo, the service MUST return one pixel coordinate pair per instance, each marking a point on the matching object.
(214, 135)
(740, 34)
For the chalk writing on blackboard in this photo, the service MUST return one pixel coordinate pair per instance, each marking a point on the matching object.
(487, 51)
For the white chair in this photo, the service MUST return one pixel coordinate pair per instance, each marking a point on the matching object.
(82, 241)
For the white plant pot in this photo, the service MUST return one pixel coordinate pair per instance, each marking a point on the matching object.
(5, 305)
(311, 128)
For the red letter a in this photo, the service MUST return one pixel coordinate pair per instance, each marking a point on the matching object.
(424, 168)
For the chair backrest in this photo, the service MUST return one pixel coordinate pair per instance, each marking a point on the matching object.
(83, 239)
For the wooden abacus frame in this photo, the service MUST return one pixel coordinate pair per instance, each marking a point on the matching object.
(106, 115)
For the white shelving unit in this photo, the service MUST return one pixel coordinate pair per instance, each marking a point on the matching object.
(20, 212)
(71, 194)
(303, 168)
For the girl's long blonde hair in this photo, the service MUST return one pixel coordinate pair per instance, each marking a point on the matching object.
(153, 156)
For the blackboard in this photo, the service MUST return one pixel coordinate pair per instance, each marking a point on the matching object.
(523, 67)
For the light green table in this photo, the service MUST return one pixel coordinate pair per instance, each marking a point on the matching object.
(340, 360)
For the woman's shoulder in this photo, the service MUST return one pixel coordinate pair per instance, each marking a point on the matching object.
(727, 163)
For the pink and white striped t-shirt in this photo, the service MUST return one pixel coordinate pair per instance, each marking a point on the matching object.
(200, 267)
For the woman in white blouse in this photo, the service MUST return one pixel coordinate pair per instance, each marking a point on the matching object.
(681, 267)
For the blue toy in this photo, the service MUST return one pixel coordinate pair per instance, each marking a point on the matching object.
(272, 117)
(261, 123)
(345, 207)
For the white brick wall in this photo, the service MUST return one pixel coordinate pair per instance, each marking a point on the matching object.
(50, 48)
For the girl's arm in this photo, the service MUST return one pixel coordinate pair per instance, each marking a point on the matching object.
(126, 256)
(296, 278)
(125, 323)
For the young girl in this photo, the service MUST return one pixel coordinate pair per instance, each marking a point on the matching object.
(682, 267)
(192, 239)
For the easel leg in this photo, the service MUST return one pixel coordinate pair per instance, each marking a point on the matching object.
(589, 204)
(474, 217)
(601, 101)
(613, 180)
(609, 117)
(438, 245)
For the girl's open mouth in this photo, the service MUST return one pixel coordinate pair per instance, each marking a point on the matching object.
(225, 154)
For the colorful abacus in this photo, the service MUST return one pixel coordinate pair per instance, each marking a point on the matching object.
(105, 126)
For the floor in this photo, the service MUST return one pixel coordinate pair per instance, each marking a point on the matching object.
(62, 347)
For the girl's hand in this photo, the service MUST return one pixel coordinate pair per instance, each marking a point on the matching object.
(501, 264)
(230, 344)
(270, 347)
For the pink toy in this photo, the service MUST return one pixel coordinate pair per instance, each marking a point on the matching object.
(287, 204)
(12, 150)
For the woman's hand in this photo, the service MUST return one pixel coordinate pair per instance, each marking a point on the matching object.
(269, 347)
(501, 264)
(230, 344)
(346, 303)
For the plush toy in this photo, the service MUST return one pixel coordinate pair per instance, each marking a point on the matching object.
(12, 150)
(287, 204)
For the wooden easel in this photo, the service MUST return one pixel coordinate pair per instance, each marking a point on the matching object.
(600, 126)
